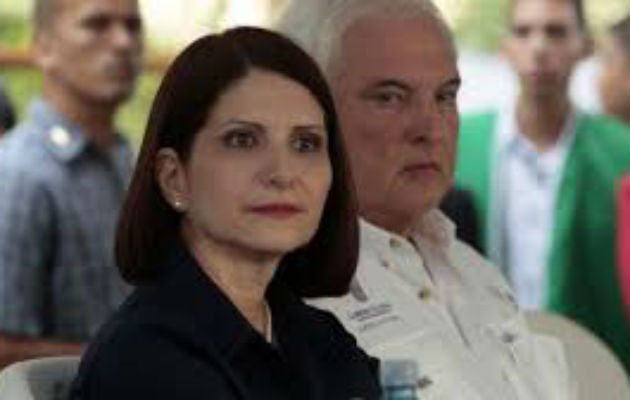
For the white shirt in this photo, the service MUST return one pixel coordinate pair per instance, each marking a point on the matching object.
(529, 180)
(434, 301)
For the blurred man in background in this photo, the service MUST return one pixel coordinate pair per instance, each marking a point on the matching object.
(614, 83)
(64, 171)
(544, 176)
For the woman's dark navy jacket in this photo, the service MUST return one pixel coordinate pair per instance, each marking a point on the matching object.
(181, 338)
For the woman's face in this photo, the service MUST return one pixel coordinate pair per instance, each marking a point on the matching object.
(259, 172)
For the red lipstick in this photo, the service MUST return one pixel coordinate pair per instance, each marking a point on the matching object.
(276, 210)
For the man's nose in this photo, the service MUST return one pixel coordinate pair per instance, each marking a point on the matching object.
(539, 45)
(425, 123)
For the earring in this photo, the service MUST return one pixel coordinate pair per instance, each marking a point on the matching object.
(177, 205)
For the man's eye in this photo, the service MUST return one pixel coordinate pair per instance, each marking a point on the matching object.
(447, 98)
(97, 23)
(240, 140)
(133, 25)
(386, 99)
(521, 31)
(556, 31)
(307, 143)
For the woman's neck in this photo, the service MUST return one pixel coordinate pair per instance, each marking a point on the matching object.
(242, 275)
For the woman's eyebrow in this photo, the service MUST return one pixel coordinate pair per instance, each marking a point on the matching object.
(242, 122)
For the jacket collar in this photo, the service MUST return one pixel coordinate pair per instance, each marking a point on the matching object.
(187, 290)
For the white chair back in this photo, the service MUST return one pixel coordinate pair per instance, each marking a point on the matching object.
(594, 367)
(47, 378)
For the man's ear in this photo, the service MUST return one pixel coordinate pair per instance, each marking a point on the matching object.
(172, 180)
(588, 47)
(43, 50)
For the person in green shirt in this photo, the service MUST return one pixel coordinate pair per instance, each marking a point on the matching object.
(544, 174)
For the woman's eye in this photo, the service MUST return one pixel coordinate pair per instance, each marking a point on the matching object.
(307, 143)
(240, 140)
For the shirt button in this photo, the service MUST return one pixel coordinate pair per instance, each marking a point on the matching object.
(508, 337)
(424, 382)
(509, 297)
(424, 294)
(394, 243)
(385, 263)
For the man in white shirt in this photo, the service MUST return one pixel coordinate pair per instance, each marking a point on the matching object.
(420, 296)
(544, 175)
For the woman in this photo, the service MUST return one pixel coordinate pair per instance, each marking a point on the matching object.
(240, 205)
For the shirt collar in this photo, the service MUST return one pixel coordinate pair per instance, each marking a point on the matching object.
(190, 292)
(62, 138)
(437, 228)
(433, 226)
(509, 136)
(429, 246)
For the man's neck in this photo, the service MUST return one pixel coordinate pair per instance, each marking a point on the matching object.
(96, 121)
(542, 121)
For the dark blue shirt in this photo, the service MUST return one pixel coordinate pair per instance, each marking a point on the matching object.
(181, 338)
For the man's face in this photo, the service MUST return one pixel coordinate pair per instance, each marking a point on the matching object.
(543, 45)
(614, 81)
(395, 82)
(92, 49)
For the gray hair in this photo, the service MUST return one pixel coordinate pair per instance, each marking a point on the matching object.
(319, 25)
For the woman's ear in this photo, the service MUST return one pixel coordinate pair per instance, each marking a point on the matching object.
(171, 177)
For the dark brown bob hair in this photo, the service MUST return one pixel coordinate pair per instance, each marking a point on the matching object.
(190, 89)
